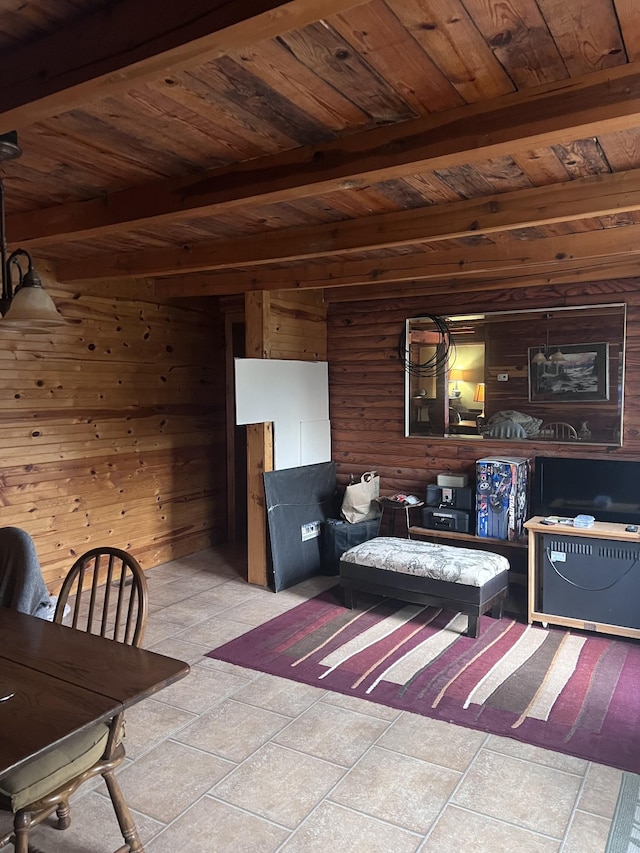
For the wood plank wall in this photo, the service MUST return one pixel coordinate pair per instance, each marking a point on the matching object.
(366, 384)
(282, 325)
(298, 326)
(286, 325)
(113, 428)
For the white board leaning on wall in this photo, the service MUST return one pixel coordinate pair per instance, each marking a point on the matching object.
(294, 395)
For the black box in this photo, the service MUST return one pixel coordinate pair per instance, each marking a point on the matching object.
(338, 536)
(446, 518)
(454, 497)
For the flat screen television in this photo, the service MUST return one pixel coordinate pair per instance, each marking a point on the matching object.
(607, 489)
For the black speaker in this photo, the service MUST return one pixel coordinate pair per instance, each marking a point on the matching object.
(434, 495)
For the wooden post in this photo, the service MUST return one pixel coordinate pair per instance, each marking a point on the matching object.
(233, 319)
(259, 460)
(259, 443)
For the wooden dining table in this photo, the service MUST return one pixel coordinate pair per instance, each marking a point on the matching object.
(56, 681)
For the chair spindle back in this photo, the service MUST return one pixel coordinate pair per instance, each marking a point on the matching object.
(105, 592)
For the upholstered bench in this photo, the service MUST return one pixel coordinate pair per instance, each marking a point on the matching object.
(460, 579)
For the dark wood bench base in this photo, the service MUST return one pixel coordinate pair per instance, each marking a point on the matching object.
(474, 601)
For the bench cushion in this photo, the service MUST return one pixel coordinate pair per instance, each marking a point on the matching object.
(465, 566)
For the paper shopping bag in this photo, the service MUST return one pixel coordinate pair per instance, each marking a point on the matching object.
(360, 501)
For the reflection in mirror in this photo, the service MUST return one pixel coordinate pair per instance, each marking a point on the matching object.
(545, 375)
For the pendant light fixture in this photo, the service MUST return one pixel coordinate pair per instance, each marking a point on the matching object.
(27, 306)
(539, 357)
(557, 356)
(543, 356)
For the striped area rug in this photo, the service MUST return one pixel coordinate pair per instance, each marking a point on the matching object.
(570, 691)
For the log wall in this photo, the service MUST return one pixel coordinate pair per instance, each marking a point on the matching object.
(366, 384)
(113, 428)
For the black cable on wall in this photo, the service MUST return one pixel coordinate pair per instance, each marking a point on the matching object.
(443, 355)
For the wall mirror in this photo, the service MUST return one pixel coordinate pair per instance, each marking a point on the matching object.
(552, 374)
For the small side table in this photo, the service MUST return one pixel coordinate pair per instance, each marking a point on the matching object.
(396, 518)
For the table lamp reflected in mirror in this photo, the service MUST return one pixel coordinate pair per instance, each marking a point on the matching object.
(456, 375)
(478, 397)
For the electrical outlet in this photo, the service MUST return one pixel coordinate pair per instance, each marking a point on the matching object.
(503, 377)
(311, 530)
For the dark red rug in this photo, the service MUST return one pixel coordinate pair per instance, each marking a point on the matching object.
(570, 691)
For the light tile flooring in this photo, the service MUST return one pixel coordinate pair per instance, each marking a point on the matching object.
(233, 760)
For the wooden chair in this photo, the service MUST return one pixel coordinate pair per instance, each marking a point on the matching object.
(107, 592)
(558, 431)
(104, 593)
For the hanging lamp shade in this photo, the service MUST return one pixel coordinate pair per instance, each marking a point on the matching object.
(557, 356)
(9, 148)
(539, 357)
(32, 304)
(31, 307)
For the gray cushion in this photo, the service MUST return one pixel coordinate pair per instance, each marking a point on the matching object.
(43, 775)
(506, 429)
(530, 424)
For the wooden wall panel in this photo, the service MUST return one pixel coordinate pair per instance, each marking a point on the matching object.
(298, 327)
(366, 384)
(280, 325)
(113, 428)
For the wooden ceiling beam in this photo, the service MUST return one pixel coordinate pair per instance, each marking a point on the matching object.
(509, 257)
(559, 113)
(129, 42)
(599, 195)
(577, 273)
(207, 284)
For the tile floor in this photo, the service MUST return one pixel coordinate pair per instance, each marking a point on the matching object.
(233, 760)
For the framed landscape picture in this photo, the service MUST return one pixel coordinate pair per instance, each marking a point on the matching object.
(569, 373)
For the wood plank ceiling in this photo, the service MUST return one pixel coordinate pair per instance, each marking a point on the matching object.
(364, 148)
